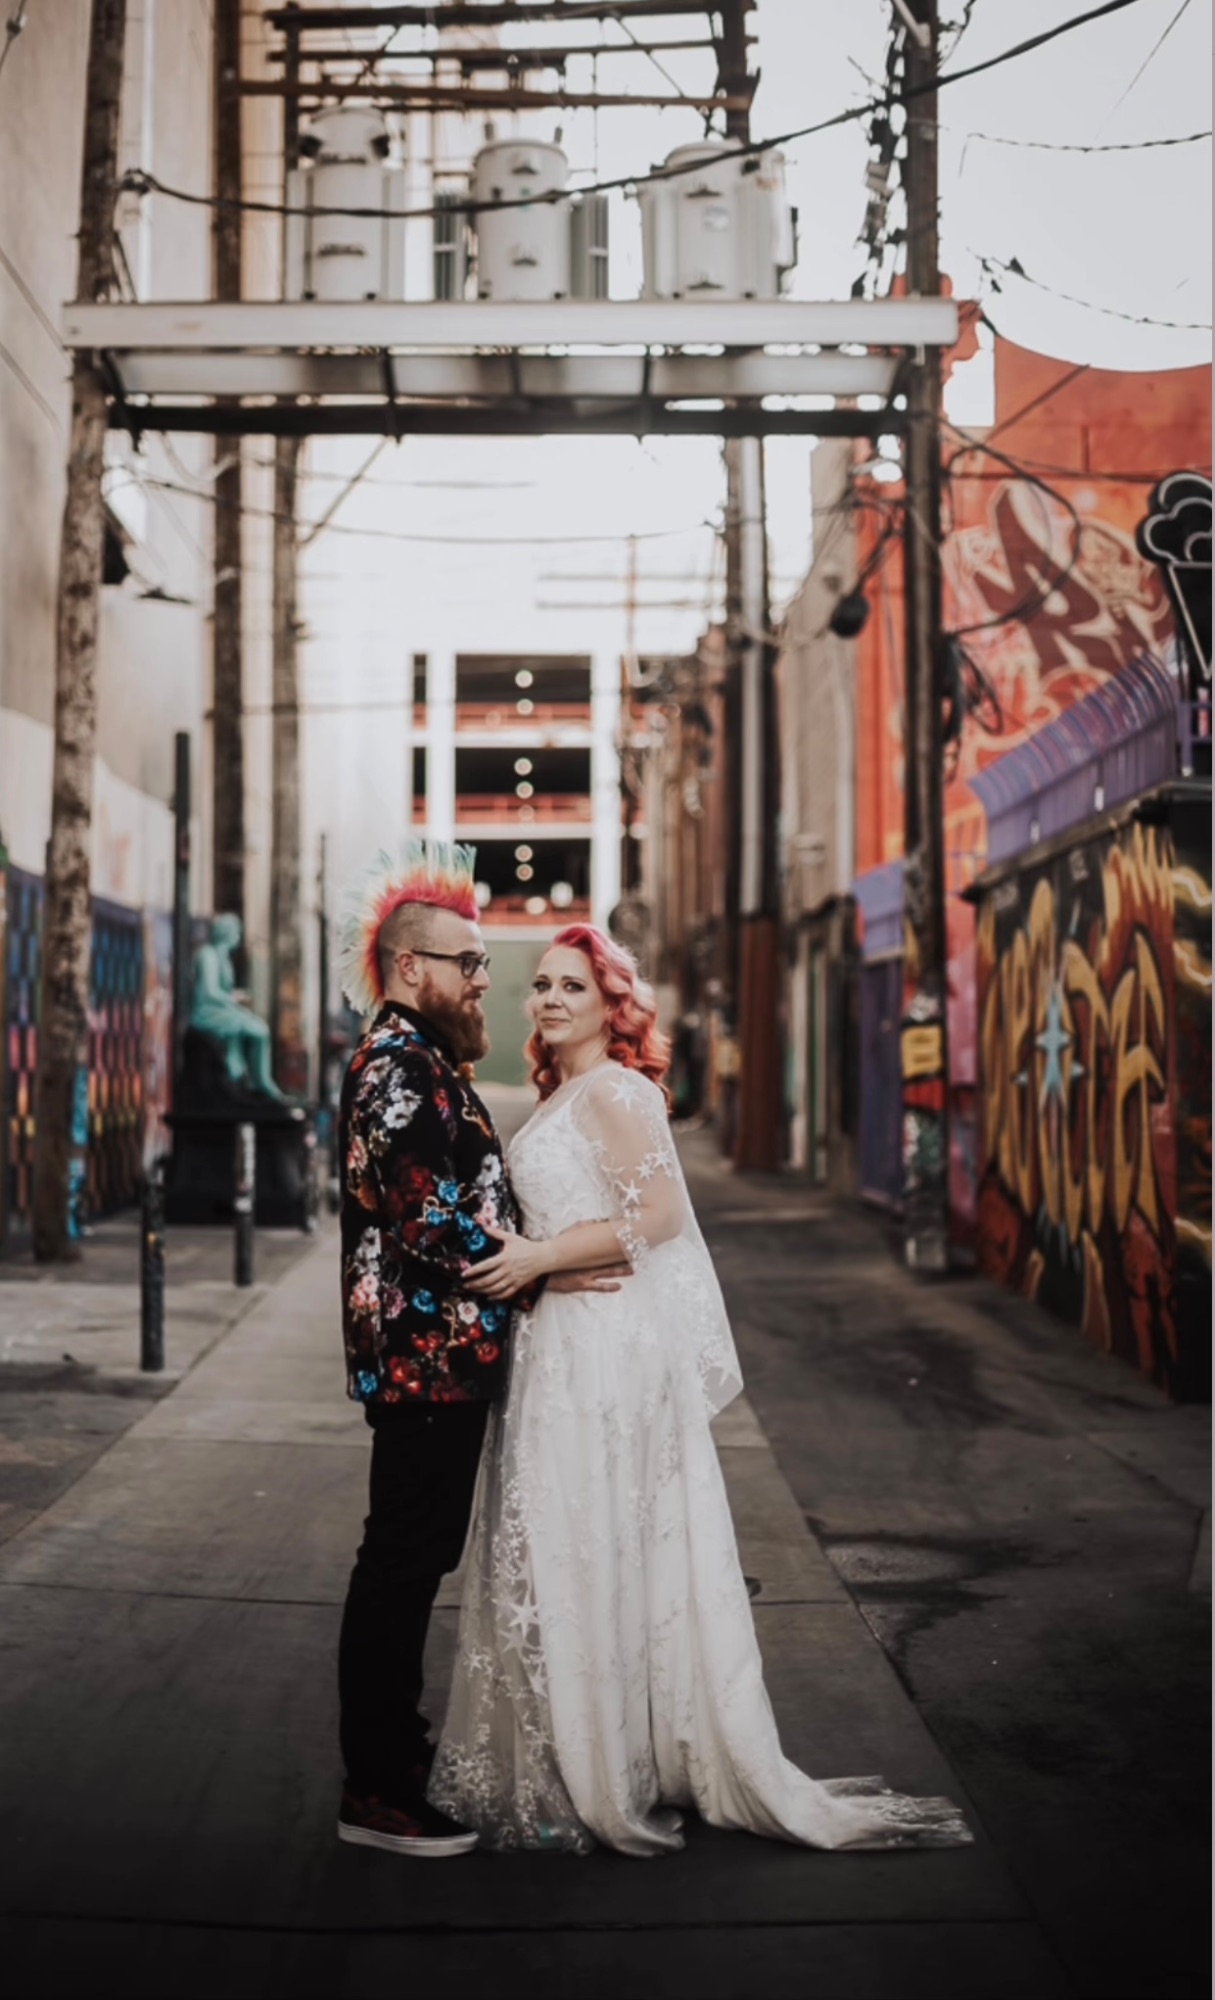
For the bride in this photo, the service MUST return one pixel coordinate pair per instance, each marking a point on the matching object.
(607, 1670)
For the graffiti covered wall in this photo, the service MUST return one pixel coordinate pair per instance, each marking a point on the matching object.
(1094, 972)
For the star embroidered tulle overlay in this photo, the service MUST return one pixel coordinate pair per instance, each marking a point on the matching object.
(608, 1672)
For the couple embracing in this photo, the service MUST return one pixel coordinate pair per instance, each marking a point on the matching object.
(540, 1351)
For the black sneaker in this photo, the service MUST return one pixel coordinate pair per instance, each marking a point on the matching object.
(417, 1829)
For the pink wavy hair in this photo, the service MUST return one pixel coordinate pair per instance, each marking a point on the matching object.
(634, 1038)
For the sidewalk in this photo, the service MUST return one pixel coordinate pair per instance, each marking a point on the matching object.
(169, 1766)
(70, 1381)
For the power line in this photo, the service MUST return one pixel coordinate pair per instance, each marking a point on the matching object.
(138, 181)
(1150, 58)
(1029, 606)
(1015, 269)
(12, 28)
(427, 541)
(1072, 146)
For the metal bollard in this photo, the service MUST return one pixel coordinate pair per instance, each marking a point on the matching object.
(152, 1273)
(246, 1194)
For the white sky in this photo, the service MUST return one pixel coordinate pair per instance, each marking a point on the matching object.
(1126, 231)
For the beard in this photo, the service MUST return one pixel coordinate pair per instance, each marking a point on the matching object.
(462, 1021)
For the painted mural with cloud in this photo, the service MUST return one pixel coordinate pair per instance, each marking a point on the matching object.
(1094, 970)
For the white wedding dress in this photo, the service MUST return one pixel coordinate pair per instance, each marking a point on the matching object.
(607, 1670)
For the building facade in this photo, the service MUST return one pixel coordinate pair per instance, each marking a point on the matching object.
(1052, 603)
(154, 647)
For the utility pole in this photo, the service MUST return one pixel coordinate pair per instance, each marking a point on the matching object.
(757, 1146)
(924, 1036)
(181, 903)
(227, 680)
(67, 915)
(322, 1028)
(286, 938)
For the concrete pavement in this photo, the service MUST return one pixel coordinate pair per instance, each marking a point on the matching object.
(1025, 1527)
(168, 1742)
(70, 1381)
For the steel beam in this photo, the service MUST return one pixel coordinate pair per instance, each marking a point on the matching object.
(501, 56)
(303, 326)
(667, 378)
(227, 419)
(468, 97)
(474, 14)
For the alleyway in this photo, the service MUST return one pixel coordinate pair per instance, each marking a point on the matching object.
(972, 1545)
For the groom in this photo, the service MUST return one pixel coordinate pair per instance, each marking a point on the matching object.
(422, 1185)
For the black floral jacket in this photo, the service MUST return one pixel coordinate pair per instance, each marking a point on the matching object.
(421, 1174)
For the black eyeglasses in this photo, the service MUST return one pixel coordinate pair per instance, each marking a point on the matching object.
(469, 962)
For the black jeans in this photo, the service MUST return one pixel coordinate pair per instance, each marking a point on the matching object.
(424, 1459)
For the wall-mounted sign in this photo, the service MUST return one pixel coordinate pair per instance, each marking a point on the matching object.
(1176, 534)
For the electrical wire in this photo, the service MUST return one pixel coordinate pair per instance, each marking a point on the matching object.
(1029, 606)
(12, 28)
(958, 28)
(1148, 60)
(1073, 146)
(664, 73)
(138, 181)
(428, 541)
(1015, 269)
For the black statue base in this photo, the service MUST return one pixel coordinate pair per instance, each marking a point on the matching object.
(200, 1173)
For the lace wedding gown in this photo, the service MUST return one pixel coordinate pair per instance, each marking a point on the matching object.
(607, 1669)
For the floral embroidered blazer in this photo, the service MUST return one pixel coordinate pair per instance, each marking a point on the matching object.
(421, 1174)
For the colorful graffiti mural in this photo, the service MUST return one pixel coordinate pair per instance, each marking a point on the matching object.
(1094, 974)
(1052, 596)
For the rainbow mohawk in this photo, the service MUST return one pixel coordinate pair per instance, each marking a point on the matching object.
(437, 872)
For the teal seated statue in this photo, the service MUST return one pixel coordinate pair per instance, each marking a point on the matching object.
(218, 1008)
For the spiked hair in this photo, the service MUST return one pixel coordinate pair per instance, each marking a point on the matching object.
(437, 873)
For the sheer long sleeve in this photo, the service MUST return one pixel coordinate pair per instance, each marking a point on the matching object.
(625, 1118)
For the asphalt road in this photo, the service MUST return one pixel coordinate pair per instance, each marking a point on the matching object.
(979, 1556)
(1025, 1527)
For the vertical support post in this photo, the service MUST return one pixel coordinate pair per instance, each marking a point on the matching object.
(286, 941)
(441, 746)
(227, 692)
(286, 915)
(152, 1273)
(67, 919)
(924, 1037)
(322, 979)
(244, 1204)
(758, 1136)
(181, 905)
(606, 835)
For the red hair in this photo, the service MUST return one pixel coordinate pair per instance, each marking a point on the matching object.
(437, 894)
(634, 1038)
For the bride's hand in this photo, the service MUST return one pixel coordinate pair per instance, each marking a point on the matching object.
(515, 1266)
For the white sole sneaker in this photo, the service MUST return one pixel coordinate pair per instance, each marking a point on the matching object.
(418, 1847)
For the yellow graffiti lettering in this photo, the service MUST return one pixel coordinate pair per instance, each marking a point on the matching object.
(1138, 1081)
(1016, 1135)
(923, 1052)
(1092, 1028)
(1045, 1120)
